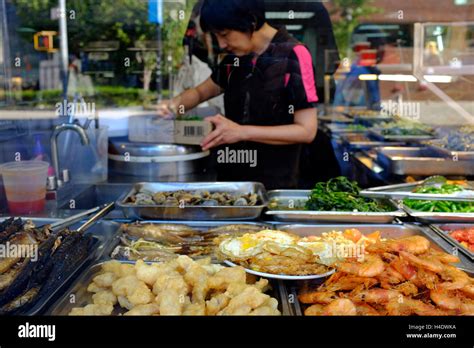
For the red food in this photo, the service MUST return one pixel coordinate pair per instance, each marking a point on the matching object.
(465, 237)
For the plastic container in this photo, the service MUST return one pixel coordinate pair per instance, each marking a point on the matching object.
(25, 186)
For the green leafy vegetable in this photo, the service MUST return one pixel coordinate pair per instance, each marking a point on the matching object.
(340, 194)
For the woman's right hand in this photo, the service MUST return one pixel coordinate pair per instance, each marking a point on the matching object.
(166, 109)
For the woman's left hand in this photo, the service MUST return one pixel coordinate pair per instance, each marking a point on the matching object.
(225, 132)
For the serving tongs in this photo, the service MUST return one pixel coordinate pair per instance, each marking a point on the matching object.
(99, 212)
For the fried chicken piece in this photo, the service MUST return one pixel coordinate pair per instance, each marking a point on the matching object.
(244, 302)
(93, 310)
(105, 280)
(170, 302)
(144, 310)
(226, 276)
(195, 309)
(172, 281)
(147, 273)
(104, 298)
(217, 303)
(141, 294)
(197, 277)
(93, 287)
(136, 291)
(124, 302)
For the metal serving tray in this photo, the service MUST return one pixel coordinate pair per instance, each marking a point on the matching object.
(196, 213)
(78, 291)
(344, 129)
(413, 138)
(431, 218)
(387, 231)
(103, 233)
(351, 140)
(420, 161)
(401, 191)
(444, 230)
(299, 197)
(337, 118)
(199, 225)
(459, 155)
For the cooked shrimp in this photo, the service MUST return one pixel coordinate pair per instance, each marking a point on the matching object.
(420, 261)
(340, 306)
(468, 291)
(407, 289)
(391, 276)
(444, 257)
(314, 310)
(410, 306)
(366, 310)
(451, 300)
(317, 297)
(457, 278)
(414, 245)
(371, 266)
(427, 279)
(349, 282)
(377, 296)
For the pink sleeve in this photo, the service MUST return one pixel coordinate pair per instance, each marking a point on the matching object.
(307, 72)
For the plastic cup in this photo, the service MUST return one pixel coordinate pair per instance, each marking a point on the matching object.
(25, 186)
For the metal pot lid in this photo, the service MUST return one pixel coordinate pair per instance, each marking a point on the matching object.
(120, 146)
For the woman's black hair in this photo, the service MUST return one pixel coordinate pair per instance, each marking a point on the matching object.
(245, 16)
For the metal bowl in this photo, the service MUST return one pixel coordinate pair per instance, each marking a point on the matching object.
(155, 161)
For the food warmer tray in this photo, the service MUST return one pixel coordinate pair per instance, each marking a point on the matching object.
(387, 231)
(419, 161)
(444, 230)
(434, 218)
(196, 213)
(299, 197)
(412, 138)
(401, 191)
(353, 142)
(103, 233)
(78, 292)
(459, 155)
(202, 225)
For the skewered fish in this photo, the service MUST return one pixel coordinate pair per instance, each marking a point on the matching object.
(27, 282)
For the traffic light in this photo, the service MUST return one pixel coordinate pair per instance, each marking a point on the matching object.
(44, 41)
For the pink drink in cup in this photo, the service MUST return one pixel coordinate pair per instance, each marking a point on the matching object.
(25, 186)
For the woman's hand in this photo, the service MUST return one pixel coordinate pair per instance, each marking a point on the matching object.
(225, 132)
(166, 109)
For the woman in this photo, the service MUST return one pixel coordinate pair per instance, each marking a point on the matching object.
(269, 91)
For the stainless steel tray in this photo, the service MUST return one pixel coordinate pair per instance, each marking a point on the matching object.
(387, 231)
(78, 292)
(103, 233)
(337, 118)
(458, 155)
(347, 139)
(420, 162)
(299, 197)
(445, 229)
(199, 225)
(401, 191)
(430, 218)
(196, 213)
(412, 138)
(344, 129)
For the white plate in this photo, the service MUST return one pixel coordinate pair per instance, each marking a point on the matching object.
(282, 276)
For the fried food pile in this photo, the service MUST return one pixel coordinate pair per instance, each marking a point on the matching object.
(178, 287)
(278, 252)
(396, 277)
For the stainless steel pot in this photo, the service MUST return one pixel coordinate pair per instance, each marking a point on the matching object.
(155, 161)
